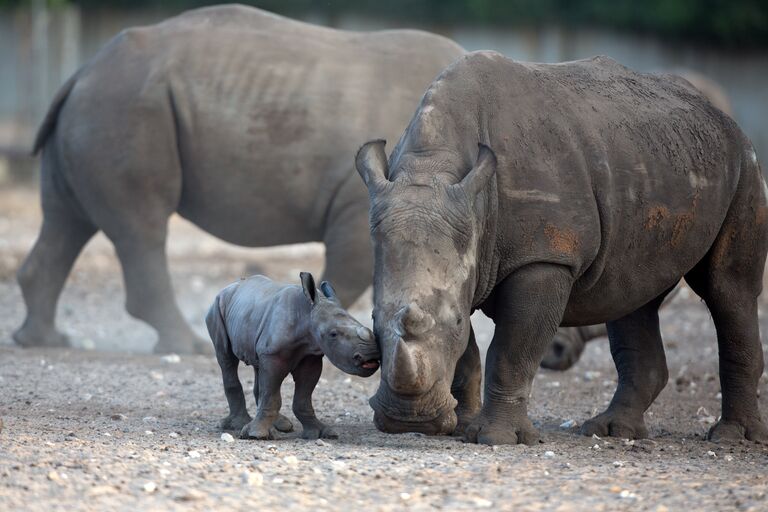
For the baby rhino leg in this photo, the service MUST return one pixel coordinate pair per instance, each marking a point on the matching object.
(272, 371)
(282, 423)
(306, 375)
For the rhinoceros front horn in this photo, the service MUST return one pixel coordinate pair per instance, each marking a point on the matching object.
(404, 375)
(413, 321)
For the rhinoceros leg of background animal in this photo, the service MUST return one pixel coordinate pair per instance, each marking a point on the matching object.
(569, 342)
(47, 266)
(466, 385)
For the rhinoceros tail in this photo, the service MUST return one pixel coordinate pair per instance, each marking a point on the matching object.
(49, 123)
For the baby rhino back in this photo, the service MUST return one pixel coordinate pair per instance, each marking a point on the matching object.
(264, 317)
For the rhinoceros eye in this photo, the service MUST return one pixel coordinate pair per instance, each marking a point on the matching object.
(333, 334)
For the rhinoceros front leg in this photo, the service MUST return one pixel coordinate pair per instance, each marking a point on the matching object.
(270, 375)
(306, 375)
(466, 385)
(638, 353)
(527, 308)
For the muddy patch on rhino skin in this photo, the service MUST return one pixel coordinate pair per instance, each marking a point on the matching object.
(563, 241)
(656, 215)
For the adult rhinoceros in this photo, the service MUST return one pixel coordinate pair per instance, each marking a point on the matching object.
(603, 189)
(242, 122)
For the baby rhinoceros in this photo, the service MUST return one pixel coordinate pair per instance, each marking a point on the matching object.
(280, 329)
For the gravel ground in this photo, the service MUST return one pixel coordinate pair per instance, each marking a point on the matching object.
(109, 426)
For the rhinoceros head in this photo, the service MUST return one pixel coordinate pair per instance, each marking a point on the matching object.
(348, 344)
(426, 227)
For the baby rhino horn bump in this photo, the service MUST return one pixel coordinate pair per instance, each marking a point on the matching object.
(414, 321)
(364, 333)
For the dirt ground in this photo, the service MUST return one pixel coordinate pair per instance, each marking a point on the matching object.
(110, 426)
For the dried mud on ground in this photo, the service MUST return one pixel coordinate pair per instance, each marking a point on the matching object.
(109, 426)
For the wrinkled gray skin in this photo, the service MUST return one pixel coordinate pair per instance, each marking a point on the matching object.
(242, 122)
(280, 329)
(603, 189)
(569, 342)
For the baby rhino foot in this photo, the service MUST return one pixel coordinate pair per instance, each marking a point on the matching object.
(259, 429)
(283, 424)
(729, 431)
(616, 424)
(319, 431)
(235, 422)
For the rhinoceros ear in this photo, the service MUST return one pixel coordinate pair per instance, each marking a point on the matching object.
(308, 285)
(328, 291)
(371, 163)
(477, 178)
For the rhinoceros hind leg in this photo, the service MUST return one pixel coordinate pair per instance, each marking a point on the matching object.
(149, 292)
(43, 274)
(638, 354)
(732, 300)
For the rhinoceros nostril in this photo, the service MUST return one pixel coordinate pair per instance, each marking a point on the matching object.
(358, 358)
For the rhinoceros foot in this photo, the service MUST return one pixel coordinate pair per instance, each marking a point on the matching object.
(616, 423)
(519, 430)
(730, 431)
(29, 336)
(319, 431)
(283, 424)
(235, 422)
(259, 429)
(183, 344)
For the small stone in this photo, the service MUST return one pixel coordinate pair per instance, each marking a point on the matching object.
(277, 480)
(568, 424)
(320, 442)
(549, 454)
(405, 496)
(252, 478)
(118, 417)
(618, 464)
(174, 435)
(615, 489)
(627, 495)
(171, 359)
(191, 495)
(482, 502)
(596, 447)
(193, 454)
(712, 454)
(54, 476)
(728, 458)
(338, 465)
(148, 433)
(291, 460)
(227, 437)
(149, 419)
(150, 487)
(101, 490)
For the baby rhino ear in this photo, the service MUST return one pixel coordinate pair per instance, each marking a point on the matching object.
(328, 290)
(308, 284)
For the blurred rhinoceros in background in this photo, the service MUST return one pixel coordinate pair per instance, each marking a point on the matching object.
(243, 122)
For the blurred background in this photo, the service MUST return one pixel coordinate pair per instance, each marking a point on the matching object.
(43, 41)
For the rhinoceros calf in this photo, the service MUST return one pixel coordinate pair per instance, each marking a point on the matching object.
(603, 189)
(241, 121)
(280, 329)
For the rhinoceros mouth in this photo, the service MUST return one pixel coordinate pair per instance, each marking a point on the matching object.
(432, 412)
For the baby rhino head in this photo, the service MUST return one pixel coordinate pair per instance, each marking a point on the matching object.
(349, 345)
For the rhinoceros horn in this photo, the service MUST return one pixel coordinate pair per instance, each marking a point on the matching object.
(411, 320)
(404, 374)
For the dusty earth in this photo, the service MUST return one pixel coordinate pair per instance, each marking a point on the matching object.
(109, 426)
